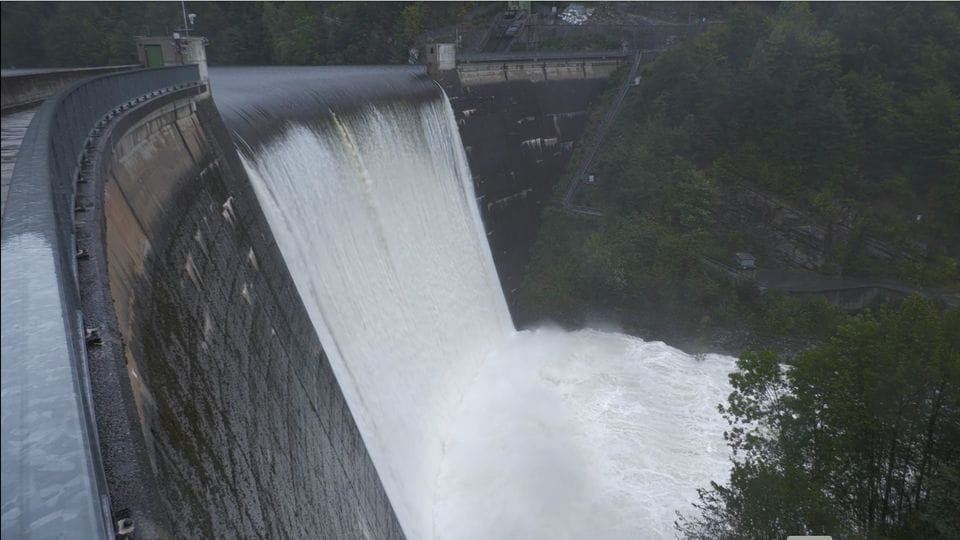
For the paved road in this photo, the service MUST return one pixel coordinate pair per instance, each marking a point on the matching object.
(601, 134)
(12, 129)
(794, 280)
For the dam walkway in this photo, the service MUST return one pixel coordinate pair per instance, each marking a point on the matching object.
(53, 473)
(23, 92)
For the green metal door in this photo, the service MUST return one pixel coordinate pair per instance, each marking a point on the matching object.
(154, 55)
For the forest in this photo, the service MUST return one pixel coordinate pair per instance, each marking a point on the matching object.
(76, 34)
(846, 111)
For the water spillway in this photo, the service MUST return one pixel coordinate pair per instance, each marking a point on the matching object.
(371, 202)
(476, 430)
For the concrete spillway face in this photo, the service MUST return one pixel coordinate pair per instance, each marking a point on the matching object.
(373, 207)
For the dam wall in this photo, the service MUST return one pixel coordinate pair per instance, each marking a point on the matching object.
(23, 88)
(519, 136)
(211, 409)
(244, 422)
(243, 417)
(536, 70)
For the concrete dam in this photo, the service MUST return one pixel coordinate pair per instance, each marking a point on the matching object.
(266, 306)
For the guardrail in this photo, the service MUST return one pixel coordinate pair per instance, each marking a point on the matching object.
(24, 88)
(534, 56)
(49, 430)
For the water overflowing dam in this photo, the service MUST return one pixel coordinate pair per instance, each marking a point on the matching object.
(273, 311)
(476, 430)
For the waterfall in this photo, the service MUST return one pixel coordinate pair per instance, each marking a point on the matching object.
(476, 430)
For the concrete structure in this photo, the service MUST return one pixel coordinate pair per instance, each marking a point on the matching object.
(518, 136)
(746, 264)
(143, 282)
(745, 261)
(501, 67)
(24, 88)
(173, 50)
(440, 56)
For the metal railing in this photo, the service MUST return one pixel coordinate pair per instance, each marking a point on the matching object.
(49, 432)
(74, 112)
(23, 88)
(538, 56)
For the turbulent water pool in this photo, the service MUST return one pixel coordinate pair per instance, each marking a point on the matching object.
(587, 434)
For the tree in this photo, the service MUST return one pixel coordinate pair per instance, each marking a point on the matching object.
(410, 25)
(861, 437)
(67, 34)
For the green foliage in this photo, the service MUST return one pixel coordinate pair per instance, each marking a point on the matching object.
(942, 270)
(777, 313)
(556, 289)
(412, 21)
(858, 438)
(818, 106)
(102, 33)
(598, 109)
(827, 106)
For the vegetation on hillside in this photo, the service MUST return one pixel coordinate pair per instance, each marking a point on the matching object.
(73, 34)
(829, 107)
(860, 438)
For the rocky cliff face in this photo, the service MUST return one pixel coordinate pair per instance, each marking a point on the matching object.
(785, 235)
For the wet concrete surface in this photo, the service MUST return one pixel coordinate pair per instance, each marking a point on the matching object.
(12, 129)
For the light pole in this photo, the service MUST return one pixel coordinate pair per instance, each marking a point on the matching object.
(186, 27)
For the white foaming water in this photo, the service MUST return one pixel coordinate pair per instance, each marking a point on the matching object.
(476, 430)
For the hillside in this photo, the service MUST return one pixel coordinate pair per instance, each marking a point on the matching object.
(823, 137)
